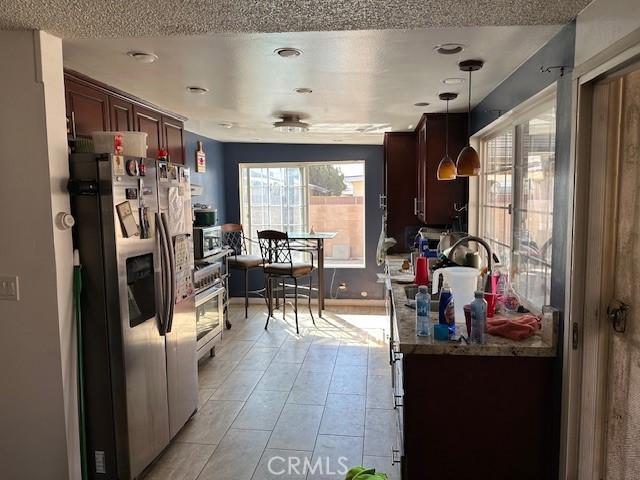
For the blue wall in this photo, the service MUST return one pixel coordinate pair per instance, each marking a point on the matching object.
(357, 280)
(212, 180)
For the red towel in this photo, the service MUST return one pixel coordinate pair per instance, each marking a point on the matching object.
(514, 328)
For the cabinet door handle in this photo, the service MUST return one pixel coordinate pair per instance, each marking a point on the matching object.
(415, 205)
(394, 456)
(397, 401)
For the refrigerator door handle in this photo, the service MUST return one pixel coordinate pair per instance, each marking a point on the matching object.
(172, 269)
(165, 268)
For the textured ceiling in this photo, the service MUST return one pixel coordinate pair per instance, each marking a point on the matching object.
(363, 82)
(121, 18)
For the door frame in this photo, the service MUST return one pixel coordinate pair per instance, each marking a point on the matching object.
(585, 364)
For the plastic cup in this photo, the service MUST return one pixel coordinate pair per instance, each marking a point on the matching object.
(491, 303)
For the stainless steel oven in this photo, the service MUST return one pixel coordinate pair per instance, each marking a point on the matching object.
(209, 317)
(207, 241)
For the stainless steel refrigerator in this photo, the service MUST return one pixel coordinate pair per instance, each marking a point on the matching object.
(133, 231)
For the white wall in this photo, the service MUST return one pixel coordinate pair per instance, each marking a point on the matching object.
(603, 23)
(38, 417)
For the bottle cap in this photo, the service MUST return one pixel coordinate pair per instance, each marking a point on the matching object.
(423, 289)
(478, 294)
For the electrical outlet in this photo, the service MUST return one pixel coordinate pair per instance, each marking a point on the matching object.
(9, 289)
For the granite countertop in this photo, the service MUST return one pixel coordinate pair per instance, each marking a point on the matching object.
(541, 344)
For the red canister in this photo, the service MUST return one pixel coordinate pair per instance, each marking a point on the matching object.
(422, 271)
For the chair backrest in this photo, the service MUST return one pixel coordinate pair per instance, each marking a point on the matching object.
(233, 237)
(274, 246)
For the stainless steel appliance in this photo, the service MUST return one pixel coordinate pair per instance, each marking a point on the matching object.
(133, 231)
(207, 241)
(210, 284)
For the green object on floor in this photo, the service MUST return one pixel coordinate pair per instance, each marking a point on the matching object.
(361, 473)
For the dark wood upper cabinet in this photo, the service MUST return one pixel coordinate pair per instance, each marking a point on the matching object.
(441, 197)
(400, 186)
(87, 107)
(173, 141)
(432, 201)
(121, 113)
(98, 107)
(421, 170)
(150, 122)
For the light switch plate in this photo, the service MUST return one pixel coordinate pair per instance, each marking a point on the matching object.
(9, 288)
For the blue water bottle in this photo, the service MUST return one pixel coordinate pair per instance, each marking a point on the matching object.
(478, 318)
(422, 312)
(445, 298)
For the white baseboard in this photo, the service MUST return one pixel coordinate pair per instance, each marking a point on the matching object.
(344, 302)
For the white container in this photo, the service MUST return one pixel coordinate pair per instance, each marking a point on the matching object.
(134, 144)
(463, 282)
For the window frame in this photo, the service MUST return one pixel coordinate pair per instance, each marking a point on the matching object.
(306, 204)
(511, 122)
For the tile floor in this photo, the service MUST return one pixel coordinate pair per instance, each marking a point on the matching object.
(322, 395)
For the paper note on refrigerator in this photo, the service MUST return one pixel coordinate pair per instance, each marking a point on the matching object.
(176, 212)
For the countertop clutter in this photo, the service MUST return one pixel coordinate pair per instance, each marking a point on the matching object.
(541, 344)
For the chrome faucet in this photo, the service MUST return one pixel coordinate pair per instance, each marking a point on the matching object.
(490, 255)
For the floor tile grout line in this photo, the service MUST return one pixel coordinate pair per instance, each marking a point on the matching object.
(324, 409)
(239, 411)
(279, 415)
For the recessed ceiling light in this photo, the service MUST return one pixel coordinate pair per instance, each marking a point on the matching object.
(453, 81)
(410, 127)
(288, 52)
(303, 90)
(197, 90)
(143, 57)
(225, 125)
(421, 104)
(448, 48)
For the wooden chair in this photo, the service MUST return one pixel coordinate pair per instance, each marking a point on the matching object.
(279, 265)
(233, 237)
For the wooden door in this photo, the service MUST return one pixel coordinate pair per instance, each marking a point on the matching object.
(610, 403)
(173, 132)
(121, 113)
(622, 444)
(88, 107)
(148, 121)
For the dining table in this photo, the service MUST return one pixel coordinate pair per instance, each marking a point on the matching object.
(318, 239)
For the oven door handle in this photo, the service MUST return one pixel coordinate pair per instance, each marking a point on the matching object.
(215, 291)
(172, 272)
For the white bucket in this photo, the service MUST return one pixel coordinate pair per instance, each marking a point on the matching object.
(134, 144)
(463, 282)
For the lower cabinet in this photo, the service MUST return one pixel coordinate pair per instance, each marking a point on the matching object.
(469, 417)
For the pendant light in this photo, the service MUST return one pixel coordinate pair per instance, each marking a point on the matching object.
(468, 163)
(446, 167)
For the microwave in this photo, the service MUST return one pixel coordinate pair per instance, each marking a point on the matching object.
(207, 241)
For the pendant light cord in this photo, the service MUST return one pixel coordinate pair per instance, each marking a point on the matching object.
(446, 131)
(469, 114)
